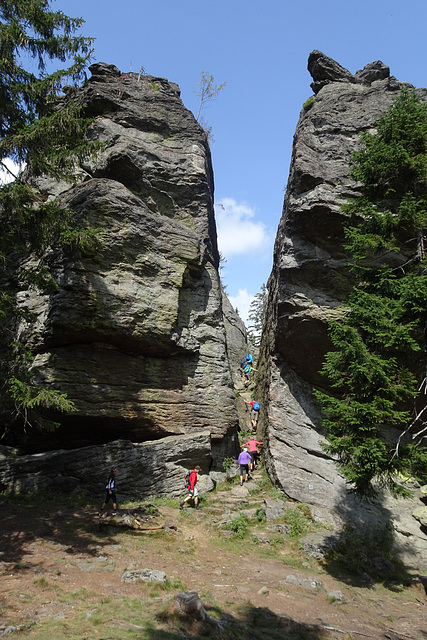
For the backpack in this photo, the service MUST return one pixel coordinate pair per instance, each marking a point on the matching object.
(187, 480)
(256, 406)
(249, 358)
(242, 363)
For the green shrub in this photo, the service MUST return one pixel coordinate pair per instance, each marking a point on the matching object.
(228, 463)
(308, 103)
(240, 526)
(300, 522)
(260, 515)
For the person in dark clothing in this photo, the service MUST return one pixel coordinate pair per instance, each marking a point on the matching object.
(110, 492)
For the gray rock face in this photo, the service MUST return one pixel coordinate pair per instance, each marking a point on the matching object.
(307, 284)
(325, 70)
(237, 344)
(146, 470)
(135, 334)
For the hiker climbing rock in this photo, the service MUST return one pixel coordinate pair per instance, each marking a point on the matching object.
(253, 451)
(110, 492)
(254, 412)
(193, 494)
(247, 371)
(245, 361)
(244, 459)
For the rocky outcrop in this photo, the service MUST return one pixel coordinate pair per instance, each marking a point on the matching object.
(148, 469)
(135, 333)
(324, 71)
(308, 282)
(237, 345)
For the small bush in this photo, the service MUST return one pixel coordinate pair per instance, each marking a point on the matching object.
(240, 526)
(308, 103)
(228, 463)
(299, 521)
(260, 515)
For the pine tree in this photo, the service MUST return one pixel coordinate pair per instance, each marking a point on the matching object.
(47, 133)
(375, 415)
(256, 315)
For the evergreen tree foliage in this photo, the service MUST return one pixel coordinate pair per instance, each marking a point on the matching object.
(47, 133)
(375, 416)
(256, 315)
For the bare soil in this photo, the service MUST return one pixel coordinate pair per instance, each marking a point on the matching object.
(61, 577)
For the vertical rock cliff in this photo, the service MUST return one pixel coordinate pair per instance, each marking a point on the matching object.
(309, 281)
(135, 334)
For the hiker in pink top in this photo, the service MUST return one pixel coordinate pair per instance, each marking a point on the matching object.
(252, 444)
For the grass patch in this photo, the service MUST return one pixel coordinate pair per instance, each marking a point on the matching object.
(42, 583)
(299, 521)
(227, 485)
(151, 505)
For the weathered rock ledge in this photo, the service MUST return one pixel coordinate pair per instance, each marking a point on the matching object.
(146, 470)
(308, 282)
(135, 333)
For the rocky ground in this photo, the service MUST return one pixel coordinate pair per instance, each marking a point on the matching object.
(66, 573)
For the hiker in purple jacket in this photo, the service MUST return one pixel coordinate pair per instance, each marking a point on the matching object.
(244, 459)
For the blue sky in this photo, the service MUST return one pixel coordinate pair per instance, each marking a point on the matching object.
(260, 49)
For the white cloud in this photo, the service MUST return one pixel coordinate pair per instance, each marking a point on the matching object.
(5, 175)
(242, 301)
(238, 232)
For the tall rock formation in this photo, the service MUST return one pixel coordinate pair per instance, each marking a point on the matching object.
(307, 284)
(135, 333)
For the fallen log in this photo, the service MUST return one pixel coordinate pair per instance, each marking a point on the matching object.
(133, 522)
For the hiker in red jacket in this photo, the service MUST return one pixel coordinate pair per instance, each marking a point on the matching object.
(193, 494)
(252, 444)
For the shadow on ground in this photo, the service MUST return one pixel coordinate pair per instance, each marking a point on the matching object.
(27, 519)
(252, 622)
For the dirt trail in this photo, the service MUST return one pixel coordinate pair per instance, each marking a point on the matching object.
(51, 556)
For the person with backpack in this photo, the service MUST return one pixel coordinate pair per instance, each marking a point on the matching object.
(243, 460)
(247, 373)
(253, 451)
(254, 412)
(190, 485)
(110, 492)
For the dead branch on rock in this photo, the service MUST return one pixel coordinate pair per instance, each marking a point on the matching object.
(133, 522)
